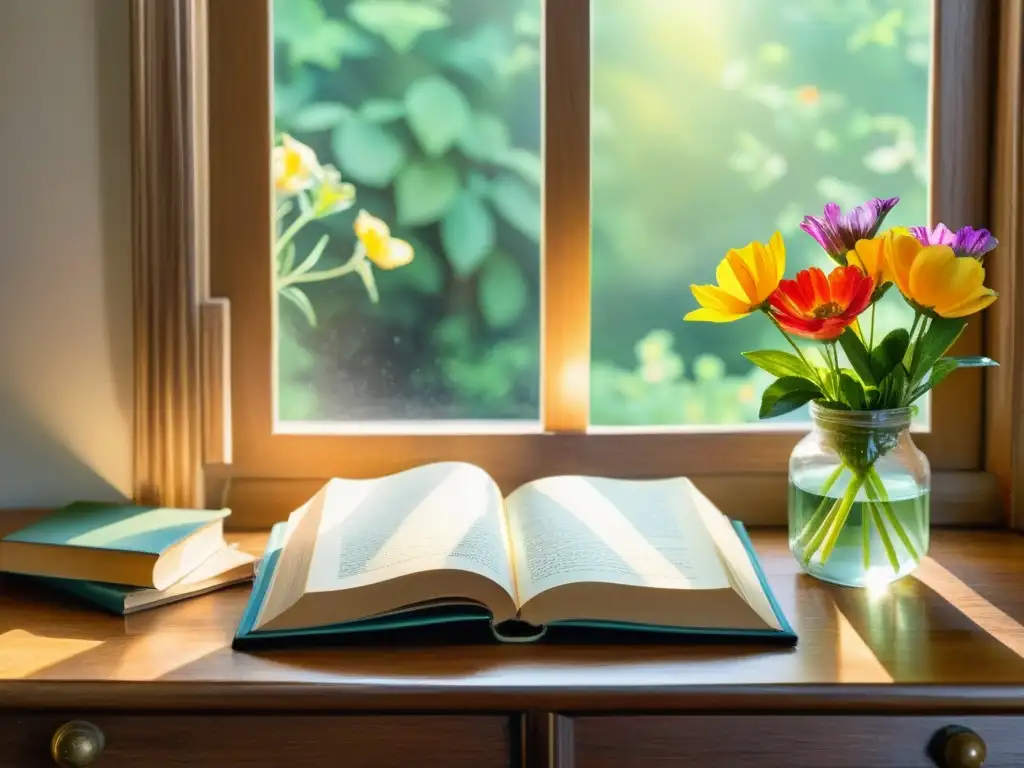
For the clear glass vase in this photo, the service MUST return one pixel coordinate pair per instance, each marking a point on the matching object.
(858, 497)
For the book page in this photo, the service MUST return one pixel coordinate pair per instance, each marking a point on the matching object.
(643, 533)
(439, 516)
(734, 557)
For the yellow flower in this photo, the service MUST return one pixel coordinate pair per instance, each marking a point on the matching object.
(932, 278)
(870, 256)
(331, 195)
(746, 278)
(295, 166)
(381, 248)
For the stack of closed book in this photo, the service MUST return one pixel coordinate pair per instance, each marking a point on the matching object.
(127, 558)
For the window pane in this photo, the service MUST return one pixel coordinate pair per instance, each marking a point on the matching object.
(429, 110)
(718, 123)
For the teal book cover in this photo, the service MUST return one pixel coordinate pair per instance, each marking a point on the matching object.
(476, 623)
(109, 597)
(120, 527)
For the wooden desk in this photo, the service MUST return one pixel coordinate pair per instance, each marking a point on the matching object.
(873, 679)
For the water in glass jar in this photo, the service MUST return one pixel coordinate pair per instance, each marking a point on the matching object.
(895, 534)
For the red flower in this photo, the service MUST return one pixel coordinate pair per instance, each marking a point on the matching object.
(819, 307)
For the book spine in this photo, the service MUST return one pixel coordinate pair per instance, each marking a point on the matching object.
(108, 598)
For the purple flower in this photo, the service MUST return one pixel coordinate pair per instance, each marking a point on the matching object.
(964, 242)
(838, 232)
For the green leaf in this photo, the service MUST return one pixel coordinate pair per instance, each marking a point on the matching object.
(424, 274)
(312, 38)
(874, 398)
(437, 113)
(787, 394)
(291, 95)
(942, 368)
(319, 116)
(974, 361)
(301, 301)
(399, 22)
(382, 110)
(368, 152)
(852, 392)
(467, 233)
(939, 337)
(503, 293)
(478, 52)
(779, 363)
(889, 353)
(518, 204)
(424, 191)
(858, 355)
(892, 388)
(527, 164)
(485, 138)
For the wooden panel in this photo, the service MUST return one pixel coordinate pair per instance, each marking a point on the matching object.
(1004, 322)
(948, 640)
(791, 741)
(226, 741)
(962, 77)
(165, 248)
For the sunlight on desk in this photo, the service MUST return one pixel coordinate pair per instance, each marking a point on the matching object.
(23, 654)
(857, 663)
(996, 622)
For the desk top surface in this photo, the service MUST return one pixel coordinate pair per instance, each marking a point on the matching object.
(950, 637)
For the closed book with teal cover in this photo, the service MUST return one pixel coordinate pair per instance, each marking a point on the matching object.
(435, 552)
(140, 546)
(225, 568)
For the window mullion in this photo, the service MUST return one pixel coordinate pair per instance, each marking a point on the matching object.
(565, 287)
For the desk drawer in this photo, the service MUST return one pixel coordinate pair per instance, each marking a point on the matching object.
(783, 741)
(262, 741)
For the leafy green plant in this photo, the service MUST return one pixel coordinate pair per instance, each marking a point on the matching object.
(432, 108)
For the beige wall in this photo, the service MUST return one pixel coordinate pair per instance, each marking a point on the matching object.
(65, 286)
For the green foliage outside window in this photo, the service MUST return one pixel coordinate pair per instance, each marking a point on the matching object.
(714, 123)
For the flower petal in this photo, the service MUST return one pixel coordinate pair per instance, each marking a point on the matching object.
(932, 275)
(819, 284)
(806, 327)
(708, 315)
(735, 276)
(982, 298)
(901, 254)
(777, 248)
(713, 297)
(789, 299)
(397, 254)
(966, 279)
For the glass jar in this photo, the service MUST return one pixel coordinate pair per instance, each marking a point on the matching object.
(858, 497)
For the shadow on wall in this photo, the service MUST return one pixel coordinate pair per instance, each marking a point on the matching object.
(65, 268)
(26, 445)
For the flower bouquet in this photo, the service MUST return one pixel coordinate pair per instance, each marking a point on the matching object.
(858, 486)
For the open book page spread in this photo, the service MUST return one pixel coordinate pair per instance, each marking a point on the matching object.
(357, 533)
(642, 533)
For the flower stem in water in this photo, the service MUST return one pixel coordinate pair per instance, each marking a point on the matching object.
(886, 541)
(819, 514)
(845, 505)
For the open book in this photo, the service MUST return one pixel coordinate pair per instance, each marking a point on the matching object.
(438, 543)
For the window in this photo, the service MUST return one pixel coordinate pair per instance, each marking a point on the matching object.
(561, 172)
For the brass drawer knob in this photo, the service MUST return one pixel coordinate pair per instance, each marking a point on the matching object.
(959, 747)
(77, 744)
